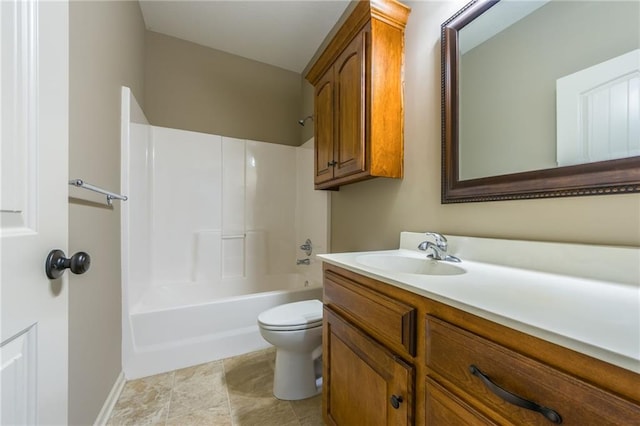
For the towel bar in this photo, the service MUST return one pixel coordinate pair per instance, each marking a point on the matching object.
(110, 195)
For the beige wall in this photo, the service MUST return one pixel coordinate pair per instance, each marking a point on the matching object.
(106, 51)
(370, 214)
(191, 87)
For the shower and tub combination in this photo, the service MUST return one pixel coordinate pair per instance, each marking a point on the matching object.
(211, 236)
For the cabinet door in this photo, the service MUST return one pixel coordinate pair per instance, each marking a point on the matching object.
(350, 91)
(364, 383)
(324, 130)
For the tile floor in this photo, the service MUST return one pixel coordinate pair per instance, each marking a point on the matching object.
(235, 391)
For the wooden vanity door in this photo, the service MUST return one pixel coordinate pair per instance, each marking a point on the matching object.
(362, 378)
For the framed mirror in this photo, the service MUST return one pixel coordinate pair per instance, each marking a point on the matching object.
(540, 99)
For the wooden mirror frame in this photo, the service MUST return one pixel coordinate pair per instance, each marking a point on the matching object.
(603, 177)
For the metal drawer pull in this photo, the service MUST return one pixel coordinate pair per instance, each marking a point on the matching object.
(515, 399)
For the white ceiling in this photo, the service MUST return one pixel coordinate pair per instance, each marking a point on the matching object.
(281, 33)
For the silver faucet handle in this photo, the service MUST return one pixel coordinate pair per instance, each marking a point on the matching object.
(307, 247)
(436, 252)
(440, 240)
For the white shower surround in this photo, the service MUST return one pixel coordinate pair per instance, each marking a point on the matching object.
(210, 238)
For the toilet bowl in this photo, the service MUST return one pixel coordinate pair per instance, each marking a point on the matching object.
(295, 329)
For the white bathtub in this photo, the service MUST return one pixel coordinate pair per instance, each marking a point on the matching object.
(183, 324)
(205, 208)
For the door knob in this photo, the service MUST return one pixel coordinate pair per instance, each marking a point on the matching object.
(57, 262)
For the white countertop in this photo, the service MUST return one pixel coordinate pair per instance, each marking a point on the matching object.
(597, 317)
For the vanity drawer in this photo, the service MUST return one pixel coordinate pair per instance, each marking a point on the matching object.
(452, 353)
(391, 321)
(444, 408)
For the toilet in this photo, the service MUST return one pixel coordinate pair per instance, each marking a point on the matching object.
(295, 329)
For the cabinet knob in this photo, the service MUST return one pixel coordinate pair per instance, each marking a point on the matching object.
(332, 163)
(395, 401)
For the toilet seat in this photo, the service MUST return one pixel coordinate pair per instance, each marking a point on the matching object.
(292, 316)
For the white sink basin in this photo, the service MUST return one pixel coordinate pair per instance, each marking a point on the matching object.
(409, 265)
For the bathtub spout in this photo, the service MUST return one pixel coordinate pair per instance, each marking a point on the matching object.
(303, 262)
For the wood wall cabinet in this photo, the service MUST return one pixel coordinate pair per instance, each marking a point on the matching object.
(462, 370)
(358, 100)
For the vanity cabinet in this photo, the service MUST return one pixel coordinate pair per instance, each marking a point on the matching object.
(366, 380)
(451, 367)
(358, 106)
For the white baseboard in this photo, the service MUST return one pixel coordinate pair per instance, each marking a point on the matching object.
(111, 400)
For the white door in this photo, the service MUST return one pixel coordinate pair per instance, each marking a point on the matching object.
(33, 202)
(598, 111)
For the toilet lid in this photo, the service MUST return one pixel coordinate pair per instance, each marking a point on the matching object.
(296, 316)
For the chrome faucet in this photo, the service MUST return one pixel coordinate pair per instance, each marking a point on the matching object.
(438, 248)
(303, 262)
